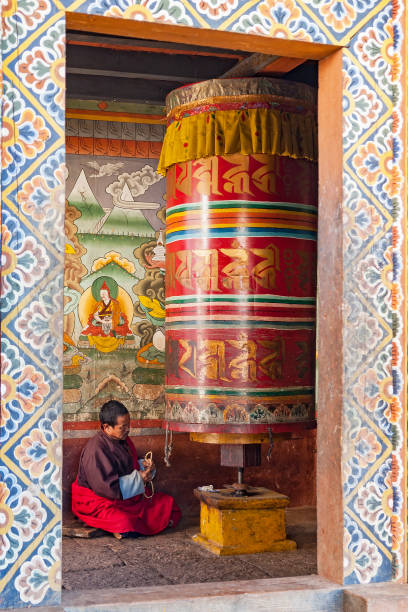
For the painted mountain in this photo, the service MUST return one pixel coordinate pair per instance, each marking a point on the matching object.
(83, 199)
(127, 220)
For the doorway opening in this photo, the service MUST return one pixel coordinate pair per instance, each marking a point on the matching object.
(116, 89)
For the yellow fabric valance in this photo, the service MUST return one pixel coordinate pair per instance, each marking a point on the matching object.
(225, 132)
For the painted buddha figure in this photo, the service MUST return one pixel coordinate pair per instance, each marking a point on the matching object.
(107, 325)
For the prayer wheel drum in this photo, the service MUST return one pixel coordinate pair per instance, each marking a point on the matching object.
(240, 160)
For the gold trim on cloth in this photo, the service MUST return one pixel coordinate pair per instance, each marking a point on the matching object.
(241, 87)
(280, 125)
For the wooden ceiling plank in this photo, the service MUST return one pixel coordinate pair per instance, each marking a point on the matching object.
(153, 49)
(147, 76)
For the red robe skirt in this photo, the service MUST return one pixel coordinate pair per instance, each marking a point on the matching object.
(138, 514)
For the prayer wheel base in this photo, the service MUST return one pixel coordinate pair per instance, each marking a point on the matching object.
(229, 438)
(242, 525)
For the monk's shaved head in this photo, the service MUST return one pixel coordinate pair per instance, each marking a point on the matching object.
(110, 412)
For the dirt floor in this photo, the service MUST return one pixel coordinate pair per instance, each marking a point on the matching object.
(173, 558)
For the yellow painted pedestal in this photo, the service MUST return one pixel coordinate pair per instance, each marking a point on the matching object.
(242, 525)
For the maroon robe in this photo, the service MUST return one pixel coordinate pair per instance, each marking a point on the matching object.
(96, 496)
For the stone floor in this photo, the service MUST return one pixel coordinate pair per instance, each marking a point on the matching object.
(173, 558)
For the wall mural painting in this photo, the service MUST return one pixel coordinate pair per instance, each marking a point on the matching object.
(114, 286)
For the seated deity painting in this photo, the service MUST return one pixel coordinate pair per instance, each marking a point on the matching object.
(107, 309)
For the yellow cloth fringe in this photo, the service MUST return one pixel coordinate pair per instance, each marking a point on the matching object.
(254, 130)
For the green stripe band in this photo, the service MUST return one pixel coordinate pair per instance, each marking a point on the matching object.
(291, 206)
(234, 324)
(276, 299)
(241, 392)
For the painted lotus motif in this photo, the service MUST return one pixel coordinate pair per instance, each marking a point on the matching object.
(43, 199)
(363, 332)
(21, 517)
(42, 70)
(375, 50)
(40, 324)
(374, 391)
(17, 24)
(362, 559)
(24, 134)
(215, 9)
(42, 573)
(23, 389)
(376, 503)
(361, 104)
(23, 261)
(279, 18)
(340, 15)
(39, 454)
(163, 11)
(374, 163)
(361, 220)
(375, 281)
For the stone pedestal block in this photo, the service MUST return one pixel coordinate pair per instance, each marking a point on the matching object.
(241, 525)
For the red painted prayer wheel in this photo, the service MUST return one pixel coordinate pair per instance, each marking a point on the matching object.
(240, 256)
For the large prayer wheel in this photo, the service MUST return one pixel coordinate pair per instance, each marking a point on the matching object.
(240, 159)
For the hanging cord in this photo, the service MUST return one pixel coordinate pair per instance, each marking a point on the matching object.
(149, 457)
(269, 453)
(168, 445)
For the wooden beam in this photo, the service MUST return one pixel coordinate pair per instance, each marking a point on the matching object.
(249, 66)
(198, 36)
(330, 324)
(282, 65)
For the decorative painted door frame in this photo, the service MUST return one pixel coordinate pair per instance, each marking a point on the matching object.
(362, 354)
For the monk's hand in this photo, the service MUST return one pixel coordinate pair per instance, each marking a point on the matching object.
(148, 463)
(147, 474)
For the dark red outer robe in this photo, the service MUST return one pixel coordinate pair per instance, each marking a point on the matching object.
(137, 514)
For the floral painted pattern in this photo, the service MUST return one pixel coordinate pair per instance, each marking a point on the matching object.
(374, 164)
(375, 503)
(42, 70)
(361, 220)
(42, 572)
(375, 282)
(17, 25)
(23, 389)
(163, 11)
(362, 332)
(340, 15)
(282, 19)
(375, 50)
(24, 134)
(361, 104)
(21, 517)
(39, 453)
(40, 324)
(23, 261)
(42, 198)
(362, 559)
(215, 9)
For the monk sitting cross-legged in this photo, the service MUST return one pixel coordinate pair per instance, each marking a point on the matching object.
(109, 490)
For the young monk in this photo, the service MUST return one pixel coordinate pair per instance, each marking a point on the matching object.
(109, 490)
